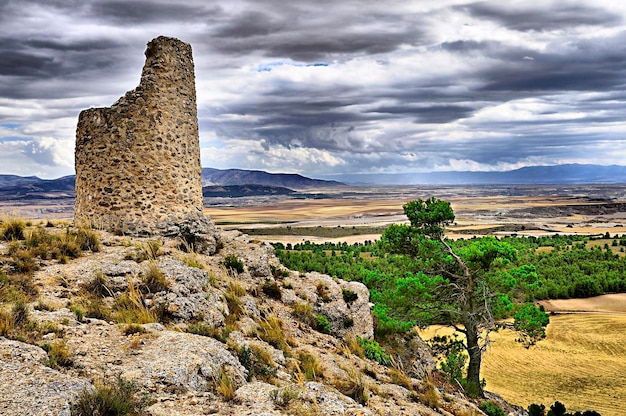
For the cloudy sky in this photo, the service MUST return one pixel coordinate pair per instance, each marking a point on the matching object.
(320, 87)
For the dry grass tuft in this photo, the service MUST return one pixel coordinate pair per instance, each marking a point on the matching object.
(270, 330)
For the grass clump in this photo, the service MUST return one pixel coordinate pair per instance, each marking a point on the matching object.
(353, 385)
(271, 289)
(231, 262)
(13, 229)
(258, 362)
(310, 366)
(119, 398)
(232, 296)
(271, 331)
(225, 385)
(323, 291)
(153, 280)
(304, 312)
(58, 354)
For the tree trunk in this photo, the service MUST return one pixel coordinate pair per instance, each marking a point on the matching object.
(474, 388)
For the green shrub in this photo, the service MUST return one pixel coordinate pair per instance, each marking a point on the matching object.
(491, 409)
(349, 296)
(323, 324)
(111, 399)
(231, 262)
(258, 363)
(374, 351)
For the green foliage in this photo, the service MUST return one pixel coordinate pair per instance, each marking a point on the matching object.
(258, 363)
(349, 296)
(451, 352)
(374, 351)
(323, 325)
(231, 262)
(491, 409)
(430, 216)
(111, 399)
(536, 410)
(531, 322)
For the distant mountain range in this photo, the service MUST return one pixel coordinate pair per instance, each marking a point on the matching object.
(230, 183)
(229, 177)
(546, 175)
(237, 183)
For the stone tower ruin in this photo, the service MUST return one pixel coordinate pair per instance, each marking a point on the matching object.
(138, 162)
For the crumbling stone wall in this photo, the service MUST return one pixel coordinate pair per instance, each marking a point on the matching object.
(138, 162)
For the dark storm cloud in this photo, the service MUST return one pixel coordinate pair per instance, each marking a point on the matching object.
(428, 114)
(146, 11)
(561, 15)
(405, 84)
(14, 63)
(250, 24)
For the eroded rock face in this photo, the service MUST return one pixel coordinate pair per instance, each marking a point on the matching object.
(138, 162)
(34, 388)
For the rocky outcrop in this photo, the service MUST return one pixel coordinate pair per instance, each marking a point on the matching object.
(138, 161)
(31, 388)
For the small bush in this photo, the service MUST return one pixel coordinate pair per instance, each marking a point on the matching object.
(491, 409)
(349, 296)
(231, 262)
(111, 399)
(323, 324)
(271, 289)
(258, 363)
(374, 351)
(348, 322)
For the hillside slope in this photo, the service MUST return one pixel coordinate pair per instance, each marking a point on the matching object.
(200, 339)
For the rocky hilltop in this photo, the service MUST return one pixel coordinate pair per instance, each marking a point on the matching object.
(232, 333)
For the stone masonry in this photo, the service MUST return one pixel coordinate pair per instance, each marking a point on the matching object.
(138, 162)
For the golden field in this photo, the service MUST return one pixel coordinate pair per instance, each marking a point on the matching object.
(581, 363)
